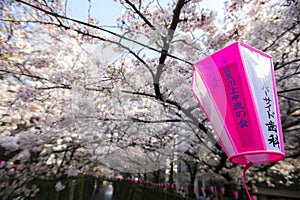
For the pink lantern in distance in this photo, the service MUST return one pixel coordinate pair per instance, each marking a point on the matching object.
(236, 89)
(202, 190)
(235, 194)
(222, 190)
(211, 189)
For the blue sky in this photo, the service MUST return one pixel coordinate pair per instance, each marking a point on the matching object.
(107, 11)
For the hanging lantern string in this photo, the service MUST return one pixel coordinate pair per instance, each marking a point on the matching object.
(244, 178)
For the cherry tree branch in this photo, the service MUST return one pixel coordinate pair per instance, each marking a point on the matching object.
(166, 46)
(280, 36)
(56, 15)
(140, 14)
(288, 90)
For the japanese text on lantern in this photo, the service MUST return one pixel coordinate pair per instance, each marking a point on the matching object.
(214, 80)
(232, 86)
(271, 123)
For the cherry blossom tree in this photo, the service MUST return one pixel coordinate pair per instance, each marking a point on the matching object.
(39, 65)
(128, 104)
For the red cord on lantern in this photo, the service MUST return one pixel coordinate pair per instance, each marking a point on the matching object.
(244, 178)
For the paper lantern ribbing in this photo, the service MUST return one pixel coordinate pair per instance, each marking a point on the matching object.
(236, 89)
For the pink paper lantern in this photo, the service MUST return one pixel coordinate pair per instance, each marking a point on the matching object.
(235, 194)
(236, 89)
(195, 190)
(202, 190)
(222, 190)
(211, 189)
(2, 163)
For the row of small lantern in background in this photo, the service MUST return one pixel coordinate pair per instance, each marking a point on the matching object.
(178, 188)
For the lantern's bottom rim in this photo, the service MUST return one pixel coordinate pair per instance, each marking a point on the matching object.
(257, 157)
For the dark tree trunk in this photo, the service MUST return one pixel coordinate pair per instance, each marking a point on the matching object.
(192, 167)
(171, 178)
(156, 176)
